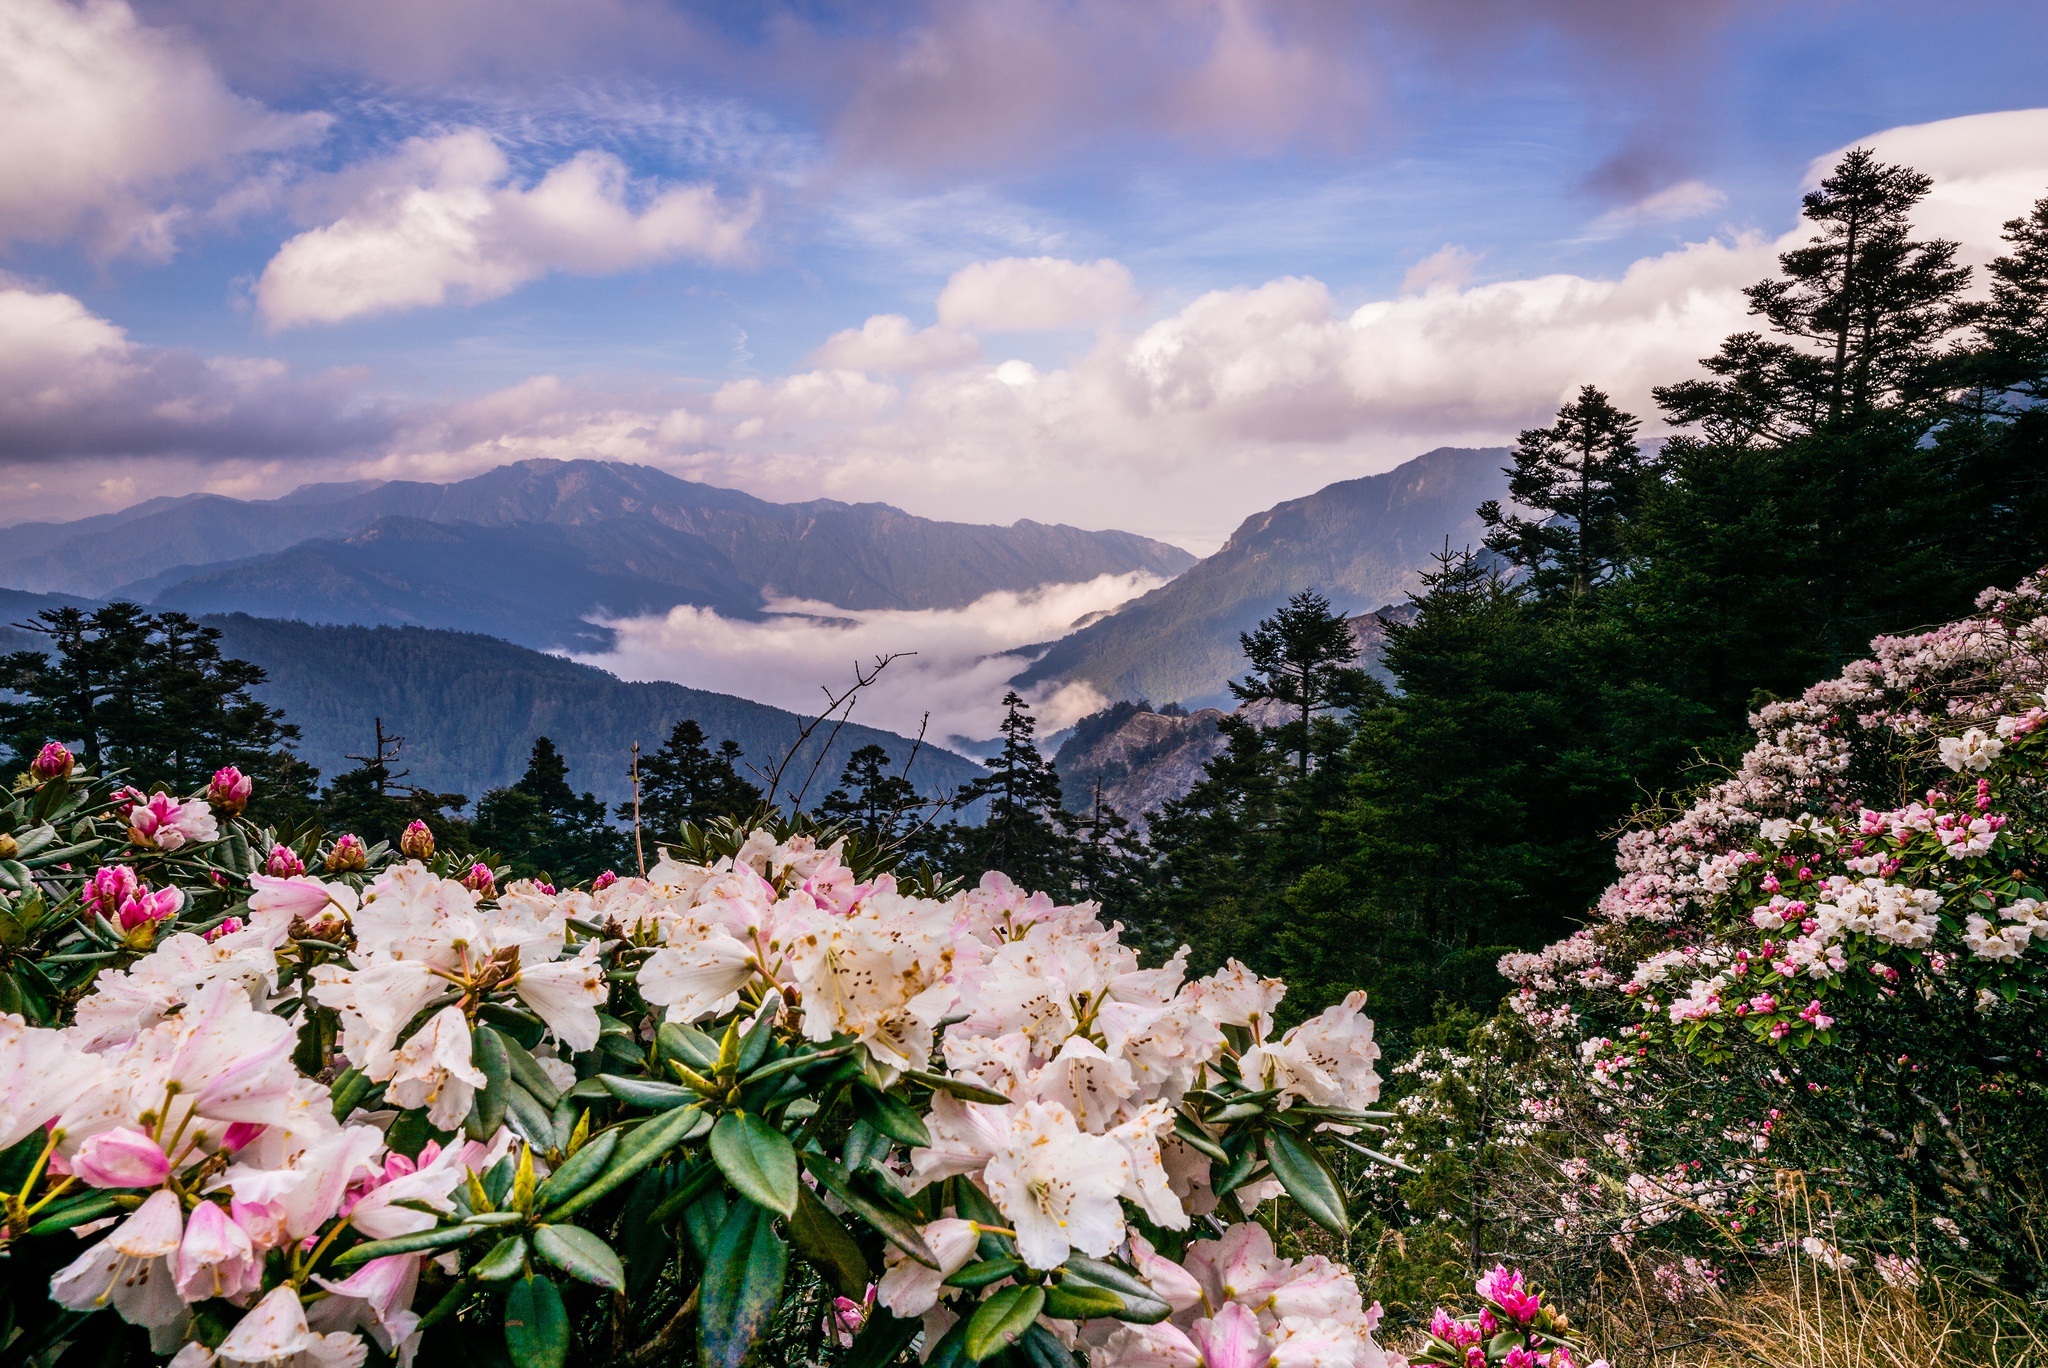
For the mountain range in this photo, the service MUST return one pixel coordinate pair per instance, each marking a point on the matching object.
(1362, 543)
(531, 551)
(470, 706)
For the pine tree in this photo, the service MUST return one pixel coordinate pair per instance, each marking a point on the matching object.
(545, 827)
(152, 694)
(1585, 474)
(686, 781)
(1305, 658)
(373, 801)
(1025, 833)
(870, 799)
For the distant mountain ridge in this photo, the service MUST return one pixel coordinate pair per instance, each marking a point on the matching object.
(470, 706)
(577, 537)
(1362, 542)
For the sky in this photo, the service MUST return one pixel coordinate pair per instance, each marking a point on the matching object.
(1154, 265)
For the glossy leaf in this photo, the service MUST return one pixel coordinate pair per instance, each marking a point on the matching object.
(1041, 1349)
(881, 1340)
(527, 1072)
(1002, 1320)
(819, 1236)
(647, 1092)
(1300, 1170)
(889, 1116)
(582, 1166)
(581, 1254)
(536, 1325)
(1076, 1300)
(487, 1108)
(441, 1238)
(534, 1122)
(757, 1159)
(648, 1142)
(506, 1259)
(898, 1231)
(743, 1277)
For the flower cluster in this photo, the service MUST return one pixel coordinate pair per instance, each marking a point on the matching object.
(1512, 1328)
(294, 1116)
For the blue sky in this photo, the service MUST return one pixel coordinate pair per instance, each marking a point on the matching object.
(229, 264)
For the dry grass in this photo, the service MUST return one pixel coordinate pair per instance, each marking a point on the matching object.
(1807, 1317)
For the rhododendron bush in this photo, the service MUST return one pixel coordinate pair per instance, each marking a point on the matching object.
(1833, 962)
(316, 1103)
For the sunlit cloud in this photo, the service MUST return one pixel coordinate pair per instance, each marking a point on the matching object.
(963, 657)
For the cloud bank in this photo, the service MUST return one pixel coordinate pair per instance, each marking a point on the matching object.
(964, 656)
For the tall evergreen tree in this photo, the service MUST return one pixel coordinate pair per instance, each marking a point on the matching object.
(687, 781)
(1025, 833)
(373, 801)
(153, 694)
(544, 827)
(1303, 657)
(1584, 474)
(870, 799)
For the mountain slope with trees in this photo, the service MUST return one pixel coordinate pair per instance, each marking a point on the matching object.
(1360, 542)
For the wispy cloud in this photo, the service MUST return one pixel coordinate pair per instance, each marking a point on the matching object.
(962, 662)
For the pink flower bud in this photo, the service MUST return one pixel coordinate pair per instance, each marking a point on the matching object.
(229, 791)
(226, 928)
(53, 761)
(121, 1158)
(417, 843)
(240, 1134)
(284, 862)
(348, 852)
(146, 909)
(109, 887)
(603, 881)
(478, 881)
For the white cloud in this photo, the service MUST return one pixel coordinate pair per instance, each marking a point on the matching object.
(442, 219)
(964, 656)
(1987, 168)
(1025, 294)
(891, 342)
(74, 384)
(1672, 204)
(1447, 268)
(107, 120)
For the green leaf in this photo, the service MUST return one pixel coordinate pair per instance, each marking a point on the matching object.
(894, 1228)
(1198, 1139)
(676, 1040)
(582, 1166)
(1041, 1349)
(1142, 1305)
(74, 1213)
(742, 1286)
(534, 1122)
(701, 1180)
(527, 1072)
(506, 1258)
(889, 1116)
(536, 1326)
(647, 1092)
(647, 1143)
(881, 1340)
(1300, 1170)
(576, 1251)
(757, 1159)
(1002, 1320)
(864, 1146)
(754, 1045)
(440, 1238)
(958, 1087)
(1078, 1301)
(985, 1271)
(487, 1108)
(818, 1235)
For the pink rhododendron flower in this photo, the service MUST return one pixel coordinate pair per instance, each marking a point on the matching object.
(347, 853)
(53, 761)
(146, 909)
(229, 791)
(120, 1158)
(284, 862)
(228, 927)
(603, 881)
(1504, 1289)
(479, 881)
(162, 823)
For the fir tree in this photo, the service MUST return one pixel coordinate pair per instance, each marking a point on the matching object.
(152, 694)
(687, 781)
(1585, 474)
(373, 801)
(870, 799)
(1025, 833)
(545, 827)
(1303, 657)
